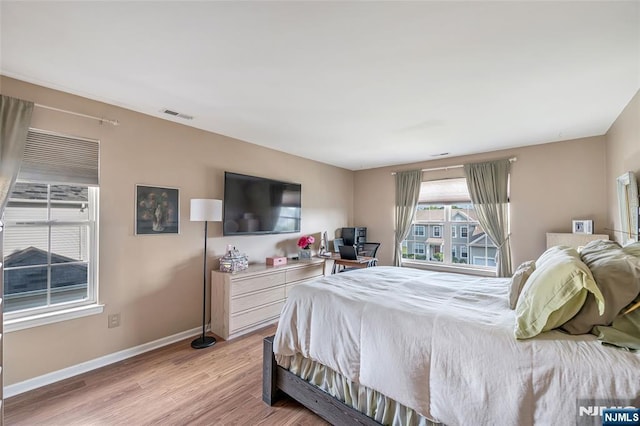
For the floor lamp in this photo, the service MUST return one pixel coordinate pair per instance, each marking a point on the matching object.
(203, 210)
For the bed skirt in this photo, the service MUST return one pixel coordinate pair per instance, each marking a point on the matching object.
(382, 409)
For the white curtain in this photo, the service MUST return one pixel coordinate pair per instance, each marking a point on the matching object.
(15, 118)
(489, 189)
(407, 194)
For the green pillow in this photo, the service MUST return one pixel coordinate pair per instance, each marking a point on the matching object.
(624, 332)
(633, 249)
(555, 292)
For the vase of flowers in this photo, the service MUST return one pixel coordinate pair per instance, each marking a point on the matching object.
(305, 246)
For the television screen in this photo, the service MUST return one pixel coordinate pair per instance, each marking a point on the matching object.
(254, 205)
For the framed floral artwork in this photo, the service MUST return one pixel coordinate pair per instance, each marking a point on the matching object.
(157, 210)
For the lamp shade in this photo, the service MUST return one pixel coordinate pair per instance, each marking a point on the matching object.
(206, 210)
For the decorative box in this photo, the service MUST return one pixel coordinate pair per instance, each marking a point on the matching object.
(276, 261)
(234, 261)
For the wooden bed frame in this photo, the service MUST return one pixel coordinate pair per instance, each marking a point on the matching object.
(277, 381)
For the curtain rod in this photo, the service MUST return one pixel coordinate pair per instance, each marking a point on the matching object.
(457, 166)
(92, 117)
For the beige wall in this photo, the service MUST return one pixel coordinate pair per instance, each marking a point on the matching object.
(623, 155)
(551, 185)
(155, 282)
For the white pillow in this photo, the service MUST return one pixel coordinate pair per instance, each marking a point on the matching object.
(518, 280)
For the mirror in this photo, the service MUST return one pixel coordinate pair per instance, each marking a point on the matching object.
(628, 206)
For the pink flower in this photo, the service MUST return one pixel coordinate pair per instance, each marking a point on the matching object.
(305, 241)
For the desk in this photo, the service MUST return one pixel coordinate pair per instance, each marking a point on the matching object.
(362, 262)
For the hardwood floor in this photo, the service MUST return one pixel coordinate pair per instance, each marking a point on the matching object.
(174, 385)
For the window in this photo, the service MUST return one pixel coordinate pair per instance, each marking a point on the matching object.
(419, 231)
(456, 237)
(50, 237)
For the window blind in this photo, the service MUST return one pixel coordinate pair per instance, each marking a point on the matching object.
(444, 191)
(55, 158)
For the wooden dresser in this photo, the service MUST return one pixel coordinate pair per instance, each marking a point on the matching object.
(248, 300)
(572, 240)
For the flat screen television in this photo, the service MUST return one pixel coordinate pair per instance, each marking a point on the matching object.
(255, 205)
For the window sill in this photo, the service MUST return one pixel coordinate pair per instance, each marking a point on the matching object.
(51, 317)
(449, 268)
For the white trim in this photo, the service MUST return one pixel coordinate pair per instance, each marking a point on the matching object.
(483, 271)
(485, 259)
(65, 373)
(51, 317)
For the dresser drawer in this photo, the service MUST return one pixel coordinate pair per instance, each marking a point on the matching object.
(259, 282)
(304, 273)
(255, 316)
(293, 284)
(248, 301)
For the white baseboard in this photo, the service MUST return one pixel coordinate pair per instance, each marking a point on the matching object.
(65, 373)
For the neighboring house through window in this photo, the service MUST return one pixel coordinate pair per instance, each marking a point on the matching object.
(453, 235)
(50, 237)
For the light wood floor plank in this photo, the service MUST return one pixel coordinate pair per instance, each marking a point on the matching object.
(174, 385)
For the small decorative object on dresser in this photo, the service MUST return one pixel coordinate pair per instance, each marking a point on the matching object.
(233, 261)
(305, 246)
(276, 261)
(582, 226)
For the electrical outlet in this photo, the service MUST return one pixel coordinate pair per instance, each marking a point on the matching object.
(114, 320)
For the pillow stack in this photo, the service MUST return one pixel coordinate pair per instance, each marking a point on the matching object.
(580, 293)
(616, 271)
(554, 292)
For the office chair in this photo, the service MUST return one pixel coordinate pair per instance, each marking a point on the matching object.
(368, 249)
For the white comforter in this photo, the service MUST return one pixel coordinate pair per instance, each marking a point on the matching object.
(443, 345)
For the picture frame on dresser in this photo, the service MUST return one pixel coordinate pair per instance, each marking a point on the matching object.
(157, 210)
(582, 226)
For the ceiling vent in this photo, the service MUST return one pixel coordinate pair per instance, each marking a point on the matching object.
(177, 114)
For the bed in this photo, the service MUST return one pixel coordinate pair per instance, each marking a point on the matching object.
(404, 346)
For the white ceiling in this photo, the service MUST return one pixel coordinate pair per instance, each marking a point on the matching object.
(353, 84)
